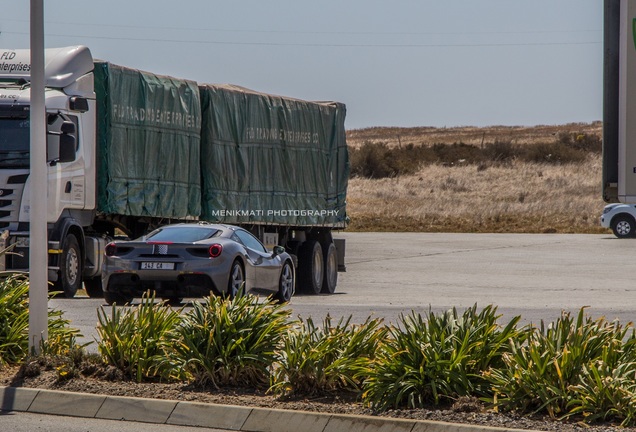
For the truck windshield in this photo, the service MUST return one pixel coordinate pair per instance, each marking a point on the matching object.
(14, 142)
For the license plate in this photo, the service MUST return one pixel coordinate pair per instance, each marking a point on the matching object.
(157, 266)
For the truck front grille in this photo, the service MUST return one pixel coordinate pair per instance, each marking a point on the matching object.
(18, 179)
(11, 188)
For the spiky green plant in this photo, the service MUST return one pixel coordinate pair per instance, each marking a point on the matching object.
(14, 323)
(606, 390)
(14, 319)
(230, 342)
(138, 339)
(317, 359)
(438, 358)
(540, 375)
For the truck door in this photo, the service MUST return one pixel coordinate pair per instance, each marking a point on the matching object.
(66, 179)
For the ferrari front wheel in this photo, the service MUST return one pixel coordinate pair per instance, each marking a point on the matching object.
(285, 284)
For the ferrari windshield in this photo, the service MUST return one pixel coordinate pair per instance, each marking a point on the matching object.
(14, 140)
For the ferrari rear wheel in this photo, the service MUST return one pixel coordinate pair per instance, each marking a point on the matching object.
(285, 284)
(236, 283)
(172, 301)
(93, 287)
(117, 298)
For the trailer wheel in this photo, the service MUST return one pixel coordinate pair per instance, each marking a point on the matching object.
(93, 287)
(70, 267)
(310, 267)
(331, 269)
(623, 226)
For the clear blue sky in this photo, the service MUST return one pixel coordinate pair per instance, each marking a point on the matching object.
(394, 63)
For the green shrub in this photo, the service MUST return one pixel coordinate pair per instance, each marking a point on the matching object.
(377, 160)
(552, 153)
(62, 338)
(457, 153)
(14, 323)
(230, 342)
(368, 161)
(137, 340)
(500, 151)
(606, 389)
(584, 142)
(570, 354)
(314, 360)
(438, 359)
(14, 319)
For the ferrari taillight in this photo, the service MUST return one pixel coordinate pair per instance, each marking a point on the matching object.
(110, 249)
(215, 250)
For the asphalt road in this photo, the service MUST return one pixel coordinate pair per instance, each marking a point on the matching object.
(389, 274)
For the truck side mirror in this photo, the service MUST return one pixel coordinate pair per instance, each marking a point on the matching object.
(77, 103)
(68, 128)
(67, 148)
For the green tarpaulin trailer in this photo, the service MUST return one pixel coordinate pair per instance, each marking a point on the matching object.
(272, 160)
(148, 144)
(169, 148)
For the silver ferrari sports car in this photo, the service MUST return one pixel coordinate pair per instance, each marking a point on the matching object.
(194, 260)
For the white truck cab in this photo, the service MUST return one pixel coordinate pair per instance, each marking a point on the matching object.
(70, 107)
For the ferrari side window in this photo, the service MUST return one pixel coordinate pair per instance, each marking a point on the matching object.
(250, 241)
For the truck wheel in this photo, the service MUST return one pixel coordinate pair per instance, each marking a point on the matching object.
(623, 226)
(331, 270)
(70, 267)
(310, 267)
(93, 287)
(117, 298)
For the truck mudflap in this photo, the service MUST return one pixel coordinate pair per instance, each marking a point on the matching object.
(54, 271)
(340, 249)
(3, 250)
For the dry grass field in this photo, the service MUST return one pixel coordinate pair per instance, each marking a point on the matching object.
(513, 197)
(467, 135)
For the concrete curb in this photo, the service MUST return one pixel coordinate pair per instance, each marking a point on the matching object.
(239, 418)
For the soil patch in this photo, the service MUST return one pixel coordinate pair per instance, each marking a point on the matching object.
(89, 378)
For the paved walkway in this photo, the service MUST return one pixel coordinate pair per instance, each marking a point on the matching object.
(236, 418)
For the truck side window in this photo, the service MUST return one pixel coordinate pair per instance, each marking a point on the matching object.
(77, 134)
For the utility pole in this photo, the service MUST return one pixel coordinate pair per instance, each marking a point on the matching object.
(38, 242)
